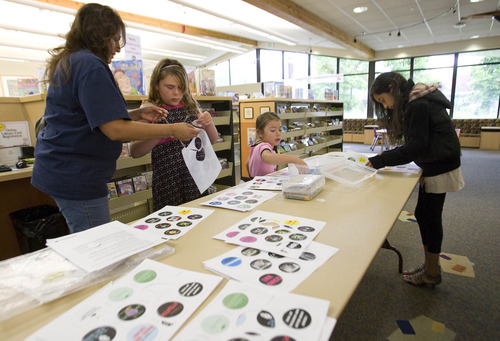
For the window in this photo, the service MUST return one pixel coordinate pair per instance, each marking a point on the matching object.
(322, 65)
(396, 65)
(295, 65)
(477, 91)
(435, 69)
(271, 65)
(354, 89)
(221, 73)
(244, 68)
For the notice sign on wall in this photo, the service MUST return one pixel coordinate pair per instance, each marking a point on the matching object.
(14, 134)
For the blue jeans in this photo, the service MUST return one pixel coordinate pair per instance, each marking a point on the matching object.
(81, 215)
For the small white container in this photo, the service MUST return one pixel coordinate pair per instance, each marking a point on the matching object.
(303, 186)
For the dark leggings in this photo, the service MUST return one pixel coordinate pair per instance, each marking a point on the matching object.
(429, 212)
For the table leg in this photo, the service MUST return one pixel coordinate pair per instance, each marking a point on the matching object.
(388, 246)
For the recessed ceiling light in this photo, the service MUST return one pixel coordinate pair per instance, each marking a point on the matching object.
(360, 9)
(476, 1)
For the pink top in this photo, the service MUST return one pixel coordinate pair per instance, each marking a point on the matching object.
(257, 167)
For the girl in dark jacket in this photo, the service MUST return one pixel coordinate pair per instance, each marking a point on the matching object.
(416, 114)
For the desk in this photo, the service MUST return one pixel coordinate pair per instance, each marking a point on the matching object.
(356, 224)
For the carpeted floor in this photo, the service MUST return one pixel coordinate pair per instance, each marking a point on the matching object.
(468, 307)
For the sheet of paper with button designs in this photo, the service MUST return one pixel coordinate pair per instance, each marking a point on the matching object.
(244, 312)
(283, 234)
(149, 303)
(272, 183)
(239, 199)
(172, 222)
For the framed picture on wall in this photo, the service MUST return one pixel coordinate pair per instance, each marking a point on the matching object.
(248, 113)
(264, 109)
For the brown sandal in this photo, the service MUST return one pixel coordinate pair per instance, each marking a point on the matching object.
(413, 271)
(421, 279)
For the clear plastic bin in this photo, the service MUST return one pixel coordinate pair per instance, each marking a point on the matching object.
(303, 186)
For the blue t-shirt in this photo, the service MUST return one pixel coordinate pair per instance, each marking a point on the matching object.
(73, 158)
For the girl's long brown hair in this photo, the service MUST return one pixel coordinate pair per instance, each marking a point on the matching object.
(391, 119)
(93, 29)
(171, 67)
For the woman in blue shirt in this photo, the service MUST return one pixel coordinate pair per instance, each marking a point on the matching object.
(88, 121)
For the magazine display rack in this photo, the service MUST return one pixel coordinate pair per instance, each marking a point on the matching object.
(310, 127)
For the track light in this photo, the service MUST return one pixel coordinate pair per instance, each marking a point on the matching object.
(390, 33)
(399, 33)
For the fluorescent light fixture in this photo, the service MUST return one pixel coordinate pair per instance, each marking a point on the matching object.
(474, 37)
(212, 44)
(176, 54)
(360, 9)
(265, 34)
(473, 1)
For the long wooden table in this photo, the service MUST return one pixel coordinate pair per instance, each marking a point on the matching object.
(358, 222)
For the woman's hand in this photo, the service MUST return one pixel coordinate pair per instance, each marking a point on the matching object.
(152, 113)
(184, 131)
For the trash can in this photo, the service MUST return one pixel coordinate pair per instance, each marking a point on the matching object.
(34, 225)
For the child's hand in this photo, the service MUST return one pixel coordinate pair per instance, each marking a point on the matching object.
(204, 118)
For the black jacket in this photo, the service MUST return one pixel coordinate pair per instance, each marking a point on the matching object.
(430, 138)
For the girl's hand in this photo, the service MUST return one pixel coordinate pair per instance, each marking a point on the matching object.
(204, 118)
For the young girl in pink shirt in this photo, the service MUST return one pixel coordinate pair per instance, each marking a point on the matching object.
(263, 157)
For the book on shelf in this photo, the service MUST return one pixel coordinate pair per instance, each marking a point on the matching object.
(129, 75)
(112, 193)
(207, 82)
(124, 187)
(140, 183)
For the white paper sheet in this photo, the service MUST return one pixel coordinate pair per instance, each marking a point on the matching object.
(273, 183)
(248, 265)
(283, 234)
(239, 199)
(102, 246)
(243, 312)
(149, 303)
(171, 222)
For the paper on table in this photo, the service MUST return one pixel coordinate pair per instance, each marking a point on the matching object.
(102, 246)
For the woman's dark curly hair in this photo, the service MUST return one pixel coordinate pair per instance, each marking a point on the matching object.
(391, 119)
(93, 28)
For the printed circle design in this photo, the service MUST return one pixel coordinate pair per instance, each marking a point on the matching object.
(257, 218)
(215, 203)
(291, 222)
(143, 332)
(251, 201)
(152, 220)
(141, 227)
(297, 318)
(248, 239)
(235, 301)
(259, 230)
(145, 276)
(247, 193)
(131, 312)
(184, 212)
(244, 206)
(240, 197)
(250, 251)
(274, 255)
(170, 309)
(231, 261)
(232, 234)
(191, 289)
(163, 225)
(271, 279)
(307, 256)
(281, 231)
(172, 232)
(215, 324)
(165, 214)
(282, 338)
(223, 198)
(266, 319)
(120, 294)
(289, 267)
(297, 236)
(270, 224)
(293, 245)
(233, 202)
(243, 226)
(184, 223)
(273, 238)
(261, 264)
(306, 228)
(174, 218)
(195, 216)
(105, 333)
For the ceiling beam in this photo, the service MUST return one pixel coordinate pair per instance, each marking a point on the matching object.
(161, 24)
(290, 11)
